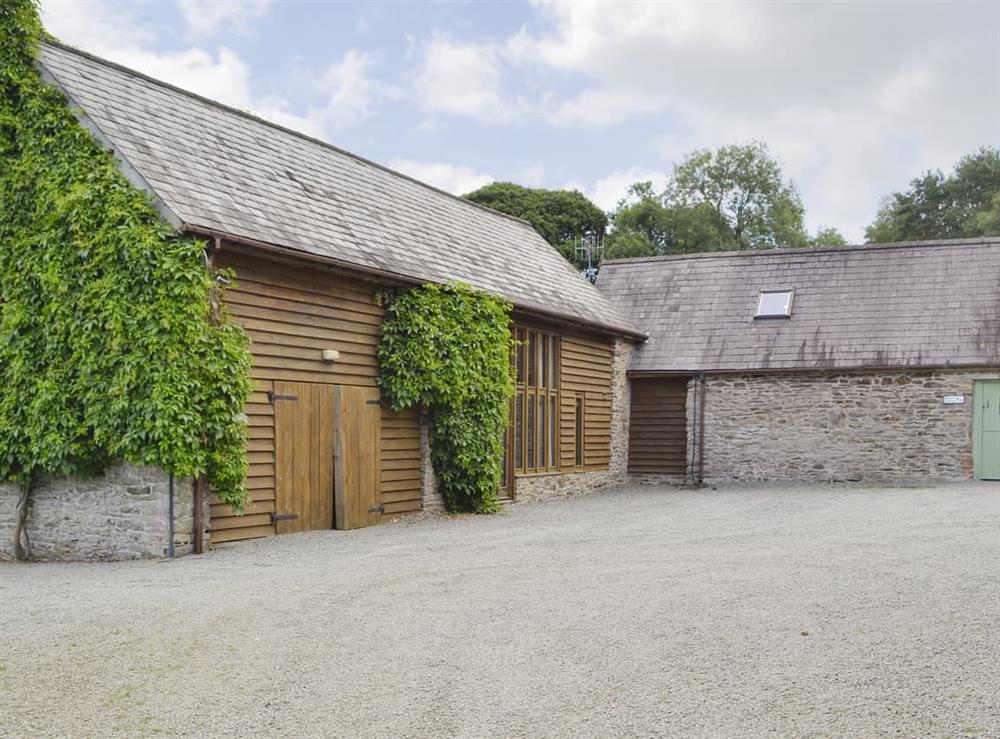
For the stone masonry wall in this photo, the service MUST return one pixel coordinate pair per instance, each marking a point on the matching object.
(433, 500)
(120, 515)
(564, 484)
(886, 426)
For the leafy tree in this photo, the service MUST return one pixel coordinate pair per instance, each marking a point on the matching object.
(938, 206)
(733, 198)
(560, 216)
(828, 236)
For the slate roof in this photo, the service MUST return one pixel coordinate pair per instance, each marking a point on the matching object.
(213, 167)
(919, 304)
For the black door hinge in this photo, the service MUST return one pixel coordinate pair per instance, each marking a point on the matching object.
(373, 402)
(273, 396)
(275, 517)
(377, 509)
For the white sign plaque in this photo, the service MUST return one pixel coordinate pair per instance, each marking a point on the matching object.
(954, 399)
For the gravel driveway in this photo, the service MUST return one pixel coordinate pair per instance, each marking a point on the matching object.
(642, 611)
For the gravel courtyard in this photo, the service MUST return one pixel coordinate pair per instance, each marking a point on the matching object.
(640, 611)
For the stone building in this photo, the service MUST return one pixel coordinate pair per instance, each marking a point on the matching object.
(312, 234)
(868, 363)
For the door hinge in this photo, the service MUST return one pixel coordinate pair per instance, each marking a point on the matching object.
(275, 517)
(273, 396)
(377, 509)
(373, 402)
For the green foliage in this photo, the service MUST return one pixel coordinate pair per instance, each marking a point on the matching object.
(733, 198)
(828, 236)
(560, 216)
(965, 203)
(448, 348)
(113, 341)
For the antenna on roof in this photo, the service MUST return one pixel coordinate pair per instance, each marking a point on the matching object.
(589, 252)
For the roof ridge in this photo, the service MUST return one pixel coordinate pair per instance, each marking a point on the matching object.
(787, 251)
(298, 134)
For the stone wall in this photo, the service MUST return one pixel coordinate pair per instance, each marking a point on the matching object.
(433, 500)
(885, 426)
(120, 515)
(564, 484)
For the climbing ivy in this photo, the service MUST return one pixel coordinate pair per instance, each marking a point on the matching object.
(447, 348)
(113, 341)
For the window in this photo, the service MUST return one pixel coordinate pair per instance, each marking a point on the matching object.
(774, 304)
(536, 403)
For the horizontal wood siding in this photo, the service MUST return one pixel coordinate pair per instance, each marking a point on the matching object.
(292, 314)
(256, 519)
(400, 454)
(658, 426)
(585, 370)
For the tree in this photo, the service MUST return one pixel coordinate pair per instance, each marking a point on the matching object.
(560, 216)
(828, 236)
(937, 206)
(733, 198)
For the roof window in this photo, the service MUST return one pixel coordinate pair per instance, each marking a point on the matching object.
(774, 304)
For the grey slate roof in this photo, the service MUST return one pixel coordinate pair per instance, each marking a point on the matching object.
(216, 168)
(904, 305)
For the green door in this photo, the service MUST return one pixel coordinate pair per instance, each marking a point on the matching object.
(986, 430)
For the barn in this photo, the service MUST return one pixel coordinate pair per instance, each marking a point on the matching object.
(875, 363)
(312, 233)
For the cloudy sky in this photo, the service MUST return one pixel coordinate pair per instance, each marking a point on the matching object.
(855, 98)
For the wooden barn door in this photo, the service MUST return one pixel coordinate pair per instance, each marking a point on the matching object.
(358, 415)
(304, 444)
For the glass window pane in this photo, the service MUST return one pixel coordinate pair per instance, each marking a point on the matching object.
(543, 445)
(544, 373)
(553, 363)
(539, 359)
(519, 354)
(775, 303)
(519, 431)
(529, 462)
(552, 431)
(531, 359)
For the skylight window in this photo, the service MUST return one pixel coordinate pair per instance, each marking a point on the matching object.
(774, 304)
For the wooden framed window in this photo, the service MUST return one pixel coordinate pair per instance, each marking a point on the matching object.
(535, 416)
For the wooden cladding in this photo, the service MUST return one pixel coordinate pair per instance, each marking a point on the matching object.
(658, 426)
(585, 424)
(292, 314)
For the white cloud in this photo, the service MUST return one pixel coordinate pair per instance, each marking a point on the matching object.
(462, 79)
(855, 98)
(456, 179)
(610, 189)
(210, 17)
(345, 91)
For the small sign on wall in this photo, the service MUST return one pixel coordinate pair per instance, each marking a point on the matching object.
(954, 399)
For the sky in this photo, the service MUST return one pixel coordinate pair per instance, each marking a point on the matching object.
(854, 98)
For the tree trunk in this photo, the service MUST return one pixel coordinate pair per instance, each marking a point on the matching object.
(22, 544)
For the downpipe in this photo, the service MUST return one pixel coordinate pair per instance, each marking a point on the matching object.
(170, 516)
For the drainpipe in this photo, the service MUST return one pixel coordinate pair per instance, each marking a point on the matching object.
(701, 431)
(170, 516)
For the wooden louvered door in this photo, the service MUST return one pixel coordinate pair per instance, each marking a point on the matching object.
(357, 471)
(304, 445)
(658, 426)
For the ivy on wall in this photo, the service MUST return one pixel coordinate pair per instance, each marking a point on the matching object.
(447, 348)
(113, 341)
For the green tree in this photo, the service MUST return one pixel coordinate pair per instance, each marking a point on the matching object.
(560, 216)
(732, 198)
(964, 203)
(828, 236)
